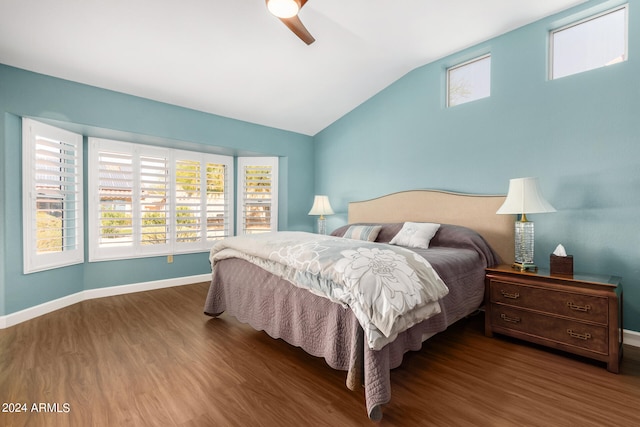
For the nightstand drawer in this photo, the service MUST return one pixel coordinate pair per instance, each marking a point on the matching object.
(568, 304)
(543, 327)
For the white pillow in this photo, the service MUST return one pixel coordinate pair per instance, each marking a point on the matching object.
(415, 234)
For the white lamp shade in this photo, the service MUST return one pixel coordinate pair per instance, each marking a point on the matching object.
(525, 197)
(283, 8)
(321, 206)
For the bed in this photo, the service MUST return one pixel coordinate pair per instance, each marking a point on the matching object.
(324, 326)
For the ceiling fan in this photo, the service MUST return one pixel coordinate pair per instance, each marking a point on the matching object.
(287, 12)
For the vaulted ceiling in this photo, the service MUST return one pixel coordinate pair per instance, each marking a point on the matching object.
(234, 59)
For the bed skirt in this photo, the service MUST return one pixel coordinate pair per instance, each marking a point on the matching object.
(326, 329)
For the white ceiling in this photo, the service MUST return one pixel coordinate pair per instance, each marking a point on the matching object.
(234, 59)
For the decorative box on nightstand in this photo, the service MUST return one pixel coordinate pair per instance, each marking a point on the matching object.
(580, 314)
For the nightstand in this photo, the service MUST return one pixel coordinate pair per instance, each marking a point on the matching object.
(580, 314)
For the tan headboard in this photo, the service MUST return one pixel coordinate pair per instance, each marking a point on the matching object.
(477, 212)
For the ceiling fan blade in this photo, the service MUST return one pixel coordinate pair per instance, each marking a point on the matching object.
(296, 25)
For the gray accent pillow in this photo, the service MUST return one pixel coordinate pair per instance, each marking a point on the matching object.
(363, 232)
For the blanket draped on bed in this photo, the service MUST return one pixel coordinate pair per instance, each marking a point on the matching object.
(388, 288)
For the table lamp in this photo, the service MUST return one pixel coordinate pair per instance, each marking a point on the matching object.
(524, 198)
(322, 207)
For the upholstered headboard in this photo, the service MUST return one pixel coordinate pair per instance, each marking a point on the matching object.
(477, 212)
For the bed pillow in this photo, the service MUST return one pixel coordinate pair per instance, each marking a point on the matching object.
(387, 232)
(363, 232)
(415, 234)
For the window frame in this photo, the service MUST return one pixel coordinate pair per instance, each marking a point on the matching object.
(579, 22)
(461, 65)
(69, 254)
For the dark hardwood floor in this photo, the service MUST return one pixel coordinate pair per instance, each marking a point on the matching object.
(152, 358)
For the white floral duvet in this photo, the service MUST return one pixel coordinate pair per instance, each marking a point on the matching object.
(389, 288)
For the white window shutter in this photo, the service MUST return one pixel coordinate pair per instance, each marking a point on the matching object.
(115, 198)
(152, 205)
(204, 199)
(52, 197)
(258, 195)
(128, 200)
(219, 199)
(147, 201)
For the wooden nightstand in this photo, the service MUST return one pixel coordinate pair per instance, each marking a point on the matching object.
(580, 314)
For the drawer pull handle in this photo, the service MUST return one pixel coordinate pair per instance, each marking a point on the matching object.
(509, 295)
(584, 336)
(509, 319)
(574, 307)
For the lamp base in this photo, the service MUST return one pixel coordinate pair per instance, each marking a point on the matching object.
(524, 245)
(322, 225)
(524, 266)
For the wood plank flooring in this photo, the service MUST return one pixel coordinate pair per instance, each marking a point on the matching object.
(152, 358)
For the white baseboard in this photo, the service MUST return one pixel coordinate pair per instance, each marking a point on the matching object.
(49, 306)
(631, 338)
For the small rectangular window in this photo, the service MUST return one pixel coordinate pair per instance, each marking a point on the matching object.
(592, 43)
(469, 81)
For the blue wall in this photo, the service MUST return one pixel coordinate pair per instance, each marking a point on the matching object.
(98, 112)
(580, 135)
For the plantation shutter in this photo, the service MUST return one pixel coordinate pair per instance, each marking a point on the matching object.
(218, 192)
(154, 207)
(258, 201)
(188, 200)
(129, 200)
(115, 186)
(204, 194)
(52, 197)
(147, 200)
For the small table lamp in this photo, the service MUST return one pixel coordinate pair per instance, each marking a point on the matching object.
(524, 198)
(322, 207)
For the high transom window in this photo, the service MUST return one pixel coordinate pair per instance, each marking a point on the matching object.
(469, 81)
(592, 43)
